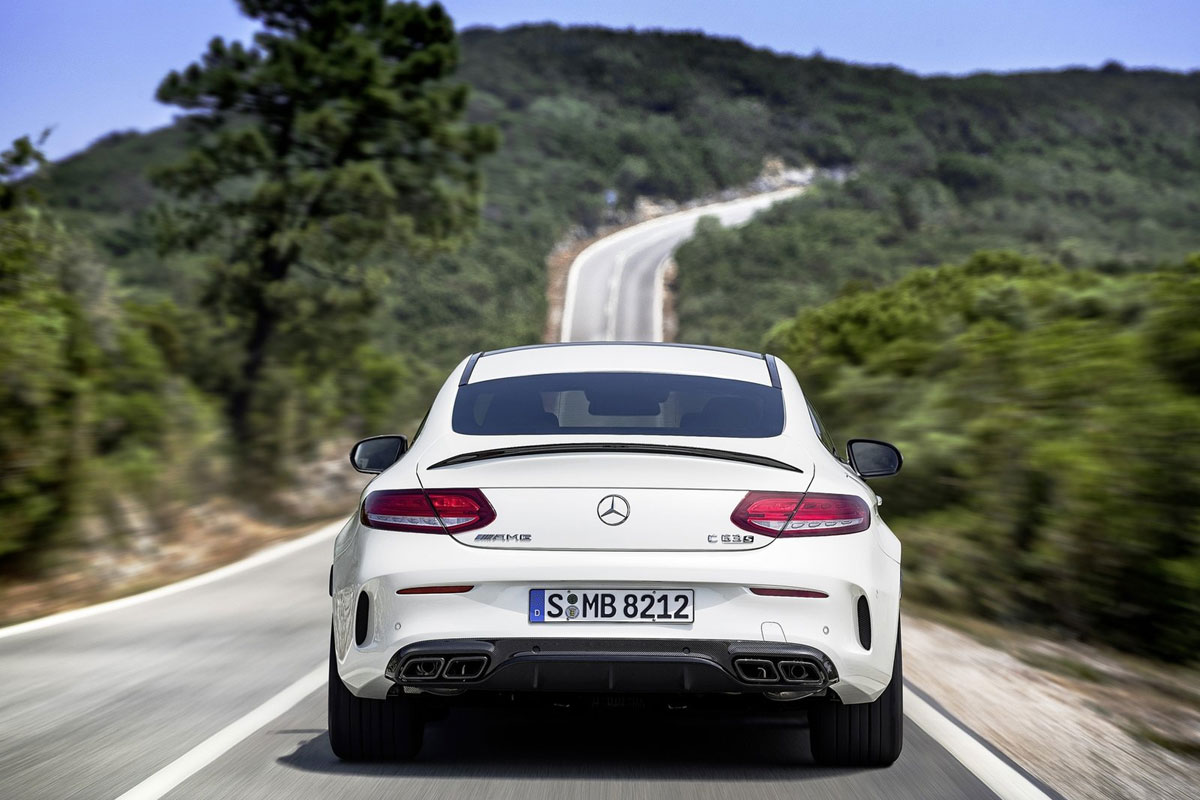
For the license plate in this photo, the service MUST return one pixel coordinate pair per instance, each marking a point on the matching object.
(611, 605)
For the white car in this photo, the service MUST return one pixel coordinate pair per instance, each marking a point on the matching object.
(576, 520)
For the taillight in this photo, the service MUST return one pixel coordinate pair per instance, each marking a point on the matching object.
(433, 511)
(794, 514)
(765, 512)
(821, 514)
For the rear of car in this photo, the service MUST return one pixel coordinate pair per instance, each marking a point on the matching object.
(595, 519)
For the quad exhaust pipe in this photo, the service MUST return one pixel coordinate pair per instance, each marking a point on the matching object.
(798, 671)
(453, 668)
(756, 670)
(465, 668)
(781, 670)
(424, 668)
(801, 672)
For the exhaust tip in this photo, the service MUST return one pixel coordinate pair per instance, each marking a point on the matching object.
(801, 672)
(422, 669)
(756, 670)
(465, 668)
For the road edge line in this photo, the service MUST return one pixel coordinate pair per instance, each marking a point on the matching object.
(250, 562)
(229, 737)
(995, 771)
(660, 297)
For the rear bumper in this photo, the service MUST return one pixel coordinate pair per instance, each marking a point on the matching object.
(374, 566)
(667, 666)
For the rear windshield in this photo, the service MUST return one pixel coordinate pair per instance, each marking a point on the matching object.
(619, 402)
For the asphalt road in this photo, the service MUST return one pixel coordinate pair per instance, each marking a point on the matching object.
(214, 688)
(93, 707)
(613, 292)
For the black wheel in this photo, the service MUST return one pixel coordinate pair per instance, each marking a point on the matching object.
(862, 735)
(371, 730)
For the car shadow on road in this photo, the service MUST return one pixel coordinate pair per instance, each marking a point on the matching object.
(559, 744)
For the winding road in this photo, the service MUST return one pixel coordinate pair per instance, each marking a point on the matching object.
(215, 687)
(615, 287)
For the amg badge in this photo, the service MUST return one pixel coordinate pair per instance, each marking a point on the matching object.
(503, 537)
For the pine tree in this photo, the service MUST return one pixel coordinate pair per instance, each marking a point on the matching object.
(335, 137)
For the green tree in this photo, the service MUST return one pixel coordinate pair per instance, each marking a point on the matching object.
(332, 139)
(91, 413)
(22, 157)
(39, 367)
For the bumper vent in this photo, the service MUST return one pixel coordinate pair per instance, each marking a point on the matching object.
(361, 617)
(864, 623)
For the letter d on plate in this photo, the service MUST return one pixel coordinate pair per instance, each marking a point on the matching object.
(537, 605)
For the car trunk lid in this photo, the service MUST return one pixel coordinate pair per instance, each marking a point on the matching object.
(613, 496)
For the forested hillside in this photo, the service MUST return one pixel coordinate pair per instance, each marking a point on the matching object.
(1081, 167)
(1093, 170)
(1084, 166)
(1050, 423)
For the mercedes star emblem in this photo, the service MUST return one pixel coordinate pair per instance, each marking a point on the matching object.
(613, 510)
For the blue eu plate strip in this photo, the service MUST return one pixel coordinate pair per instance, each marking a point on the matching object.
(537, 605)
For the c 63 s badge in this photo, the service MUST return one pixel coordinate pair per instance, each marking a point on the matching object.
(731, 538)
(504, 537)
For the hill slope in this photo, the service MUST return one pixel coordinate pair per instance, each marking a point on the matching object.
(1048, 417)
(1087, 168)
(1081, 165)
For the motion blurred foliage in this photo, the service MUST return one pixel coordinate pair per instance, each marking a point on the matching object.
(1050, 421)
(92, 411)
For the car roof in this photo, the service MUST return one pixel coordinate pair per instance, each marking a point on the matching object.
(668, 357)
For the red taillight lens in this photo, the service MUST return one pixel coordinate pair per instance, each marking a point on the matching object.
(461, 509)
(434, 511)
(821, 514)
(765, 512)
(792, 514)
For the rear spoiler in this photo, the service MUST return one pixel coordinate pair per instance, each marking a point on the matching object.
(613, 447)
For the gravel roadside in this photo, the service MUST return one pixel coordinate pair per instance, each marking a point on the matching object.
(1092, 726)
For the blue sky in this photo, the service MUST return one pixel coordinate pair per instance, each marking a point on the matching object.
(88, 67)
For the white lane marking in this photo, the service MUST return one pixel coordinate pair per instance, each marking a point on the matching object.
(1006, 782)
(998, 776)
(226, 739)
(614, 295)
(256, 560)
(568, 318)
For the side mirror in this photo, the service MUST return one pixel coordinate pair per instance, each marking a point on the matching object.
(378, 452)
(874, 459)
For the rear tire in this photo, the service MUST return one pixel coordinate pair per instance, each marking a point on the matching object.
(861, 735)
(361, 729)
